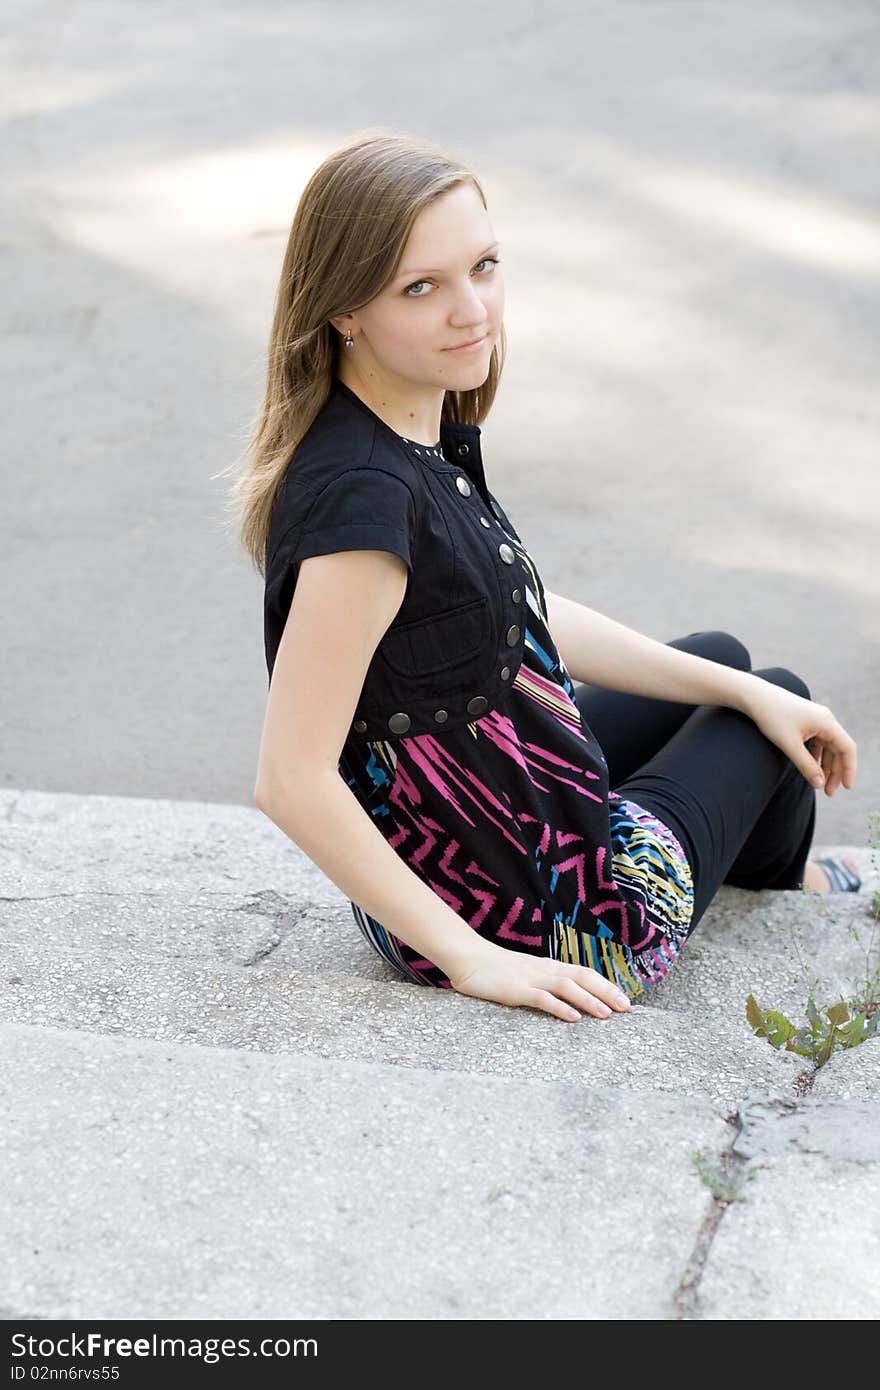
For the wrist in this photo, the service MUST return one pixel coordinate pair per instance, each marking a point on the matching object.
(745, 690)
(464, 952)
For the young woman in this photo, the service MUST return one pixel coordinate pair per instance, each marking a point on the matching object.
(522, 799)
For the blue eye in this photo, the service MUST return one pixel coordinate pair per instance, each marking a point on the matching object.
(487, 260)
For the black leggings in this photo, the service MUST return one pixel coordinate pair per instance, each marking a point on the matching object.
(743, 812)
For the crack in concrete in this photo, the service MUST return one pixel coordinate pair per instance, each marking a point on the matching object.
(803, 1082)
(732, 1164)
(833, 1127)
(266, 902)
(686, 1296)
(283, 929)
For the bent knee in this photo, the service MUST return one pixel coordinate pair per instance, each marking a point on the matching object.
(724, 648)
(780, 675)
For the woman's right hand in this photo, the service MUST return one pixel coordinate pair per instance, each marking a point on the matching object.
(538, 982)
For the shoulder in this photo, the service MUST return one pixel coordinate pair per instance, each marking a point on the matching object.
(345, 448)
(345, 435)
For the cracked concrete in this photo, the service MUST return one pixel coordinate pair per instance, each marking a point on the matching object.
(844, 1129)
(809, 1235)
(221, 980)
(769, 1125)
(686, 1297)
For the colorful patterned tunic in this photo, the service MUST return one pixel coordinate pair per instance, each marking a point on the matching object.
(510, 820)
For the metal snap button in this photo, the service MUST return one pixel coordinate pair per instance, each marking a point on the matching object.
(441, 716)
(399, 723)
(360, 726)
(506, 553)
(505, 673)
(463, 486)
(477, 705)
(512, 636)
(516, 595)
(484, 521)
(464, 450)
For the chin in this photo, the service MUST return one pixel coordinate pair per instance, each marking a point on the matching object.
(468, 380)
(470, 371)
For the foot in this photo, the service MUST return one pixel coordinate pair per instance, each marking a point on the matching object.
(816, 878)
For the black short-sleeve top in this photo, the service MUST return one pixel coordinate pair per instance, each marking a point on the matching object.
(467, 748)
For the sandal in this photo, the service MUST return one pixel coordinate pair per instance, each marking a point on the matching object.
(841, 878)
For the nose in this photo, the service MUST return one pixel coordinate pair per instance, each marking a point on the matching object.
(469, 310)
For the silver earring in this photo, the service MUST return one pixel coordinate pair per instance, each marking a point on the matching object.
(348, 339)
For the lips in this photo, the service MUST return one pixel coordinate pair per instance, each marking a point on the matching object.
(470, 343)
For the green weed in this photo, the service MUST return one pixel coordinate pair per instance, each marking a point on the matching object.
(849, 1021)
(820, 1036)
(724, 1189)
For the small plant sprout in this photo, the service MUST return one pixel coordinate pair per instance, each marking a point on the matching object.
(846, 1023)
(725, 1189)
(820, 1036)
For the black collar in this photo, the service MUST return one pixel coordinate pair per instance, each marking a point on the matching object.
(460, 443)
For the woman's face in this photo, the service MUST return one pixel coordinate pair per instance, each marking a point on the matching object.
(447, 292)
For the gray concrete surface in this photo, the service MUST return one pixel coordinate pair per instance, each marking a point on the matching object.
(686, 434)
(219, 1102)
(237, 1185)
(819, 1157)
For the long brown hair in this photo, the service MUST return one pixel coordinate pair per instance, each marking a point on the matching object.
(348, 233)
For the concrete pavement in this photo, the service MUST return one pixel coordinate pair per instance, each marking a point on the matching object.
(220, 1103)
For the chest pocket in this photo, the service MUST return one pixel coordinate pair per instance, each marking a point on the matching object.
(446, 641)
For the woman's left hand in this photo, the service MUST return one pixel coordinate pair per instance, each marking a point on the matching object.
(807, 733)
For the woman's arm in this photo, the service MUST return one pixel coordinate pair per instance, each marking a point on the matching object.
(322, 816)
(343, 602)
(603, 652)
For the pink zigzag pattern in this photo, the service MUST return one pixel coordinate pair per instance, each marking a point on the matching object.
(574, 862)
(427, 843)
(425, 840)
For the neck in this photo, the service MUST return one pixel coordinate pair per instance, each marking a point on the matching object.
(415, 415)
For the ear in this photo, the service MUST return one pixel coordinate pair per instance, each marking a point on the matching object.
(342, 323)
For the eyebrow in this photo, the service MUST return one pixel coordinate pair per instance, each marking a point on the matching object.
(418, 274)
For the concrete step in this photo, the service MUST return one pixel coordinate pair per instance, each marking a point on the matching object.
(221, 1103)
(57, 844)
(283, 1010)
(151, 1179)
(221, 883)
